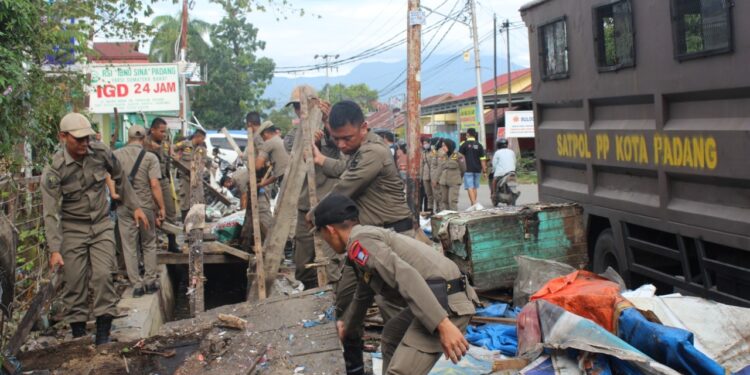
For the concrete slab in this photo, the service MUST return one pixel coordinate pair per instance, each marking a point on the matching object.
(146, 314)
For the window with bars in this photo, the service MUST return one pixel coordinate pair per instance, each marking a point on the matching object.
(701, 27)
(613, 36)
(553, 39)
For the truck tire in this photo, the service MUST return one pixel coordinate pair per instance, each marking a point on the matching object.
(606, 254)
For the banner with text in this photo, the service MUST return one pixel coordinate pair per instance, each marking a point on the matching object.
(519, 124)
(467, 117)
(134, 88)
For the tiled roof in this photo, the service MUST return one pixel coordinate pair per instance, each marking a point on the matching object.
(118, 52)
(489, 86)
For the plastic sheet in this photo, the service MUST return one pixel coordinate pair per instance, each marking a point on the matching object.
(498, 310)
(533, 274)
(500, 337)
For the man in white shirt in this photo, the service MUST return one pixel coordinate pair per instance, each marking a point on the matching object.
(503, 161)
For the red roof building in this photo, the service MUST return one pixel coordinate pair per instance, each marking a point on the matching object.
(118, 52)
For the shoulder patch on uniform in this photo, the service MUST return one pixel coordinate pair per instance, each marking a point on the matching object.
(358, 253)
(53, 182)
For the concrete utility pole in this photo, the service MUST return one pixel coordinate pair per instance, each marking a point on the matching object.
(478, 67)
(327, 58)
(506, 25)
(494, 67)
(413, 96)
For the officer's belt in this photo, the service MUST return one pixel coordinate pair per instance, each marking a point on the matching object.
(456, 285)
(400, 226)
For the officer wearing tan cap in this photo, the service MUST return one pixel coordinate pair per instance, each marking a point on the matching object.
(402, 270)
(80, 235)
(142, 169)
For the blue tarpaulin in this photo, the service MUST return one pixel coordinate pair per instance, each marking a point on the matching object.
(500, 337)
(667, 345)
(499, 310)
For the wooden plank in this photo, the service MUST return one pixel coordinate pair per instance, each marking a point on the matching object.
(310, 120)
(226, 249)
(260, 272)
(206, 185)
(286, 210)
(36, 307)
(489, 319)
(232, 142)
(194, 223)
(184, 259)
(509, 364)
(171, 228)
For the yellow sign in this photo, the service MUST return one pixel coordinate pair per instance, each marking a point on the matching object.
(687, 151)
(467, 117)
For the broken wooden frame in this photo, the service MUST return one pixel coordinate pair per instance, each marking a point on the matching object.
(194, 223)
(253, 192)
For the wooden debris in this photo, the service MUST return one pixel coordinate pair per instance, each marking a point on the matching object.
(488, 319)
(168, 354)
(206, 186)
(257, 249)
(194, 223)
(509, 364)
(171, 228)
(215, 246)
(231, 321)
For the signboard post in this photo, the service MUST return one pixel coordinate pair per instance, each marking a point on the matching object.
(519, 124)
(134, 88)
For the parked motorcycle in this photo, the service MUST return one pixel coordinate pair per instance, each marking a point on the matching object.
(506, 190)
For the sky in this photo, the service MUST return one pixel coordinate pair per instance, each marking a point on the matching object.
(348, 27)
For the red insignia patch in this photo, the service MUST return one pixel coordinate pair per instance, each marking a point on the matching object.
(358, 254)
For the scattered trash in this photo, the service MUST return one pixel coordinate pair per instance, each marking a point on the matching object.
(228, 228)
(533, 273)
(299, 370)
(231, 321)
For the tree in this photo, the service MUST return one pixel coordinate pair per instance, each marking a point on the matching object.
(164, 45)
(282, 118)
(236, 76)
(359, 93)
(42, 46)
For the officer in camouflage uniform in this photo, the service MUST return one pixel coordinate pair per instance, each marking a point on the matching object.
(157, 143)
(402, 270)
(80, 235)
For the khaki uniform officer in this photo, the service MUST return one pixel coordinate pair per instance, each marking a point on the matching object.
(399, 268)
(425, 174)
(157, 143)
(80, 235)
(145, 180)
(451, 172)
(369, 177)
(187, 150)
(437, 158)
(271, 151)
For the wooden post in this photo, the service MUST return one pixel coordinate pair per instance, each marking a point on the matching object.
(307, 135)
(413, 98)
(257, 245)
(194, 227)
(112, 141)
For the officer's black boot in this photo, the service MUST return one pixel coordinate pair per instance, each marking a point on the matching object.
(172, 247)
(103, 326)
(354, 355)
(78, 329)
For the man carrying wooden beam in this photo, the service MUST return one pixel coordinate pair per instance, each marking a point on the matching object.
(304, 246)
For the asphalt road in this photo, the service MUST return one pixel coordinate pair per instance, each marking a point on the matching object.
(529, 194)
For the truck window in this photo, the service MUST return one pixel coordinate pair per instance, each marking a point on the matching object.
(613, 36)
(701, 27)
(553, 40)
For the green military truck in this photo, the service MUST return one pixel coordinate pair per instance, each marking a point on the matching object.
(642, 115)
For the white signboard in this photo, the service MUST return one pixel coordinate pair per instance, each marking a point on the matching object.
(519, 124)
(134, 88)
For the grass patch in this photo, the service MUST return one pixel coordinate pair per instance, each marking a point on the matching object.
(527, 178)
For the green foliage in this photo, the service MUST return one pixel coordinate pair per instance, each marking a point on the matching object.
(236, 76)
(360, 93)
(693, 33)
(35, 94)
(168, 32)
(282, 118)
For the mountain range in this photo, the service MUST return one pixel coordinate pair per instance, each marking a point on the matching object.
(440, 74)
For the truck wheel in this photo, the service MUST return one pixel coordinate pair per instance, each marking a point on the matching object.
(606, 255)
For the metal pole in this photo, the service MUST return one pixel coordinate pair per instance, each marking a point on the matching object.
(494, 67)
(413, 94)
(506, 25)
(478, 67)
